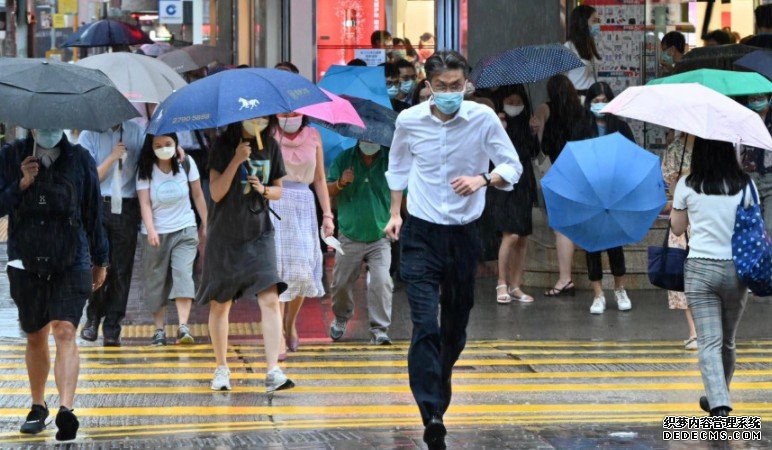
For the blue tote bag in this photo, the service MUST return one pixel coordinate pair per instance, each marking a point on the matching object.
(751, 247)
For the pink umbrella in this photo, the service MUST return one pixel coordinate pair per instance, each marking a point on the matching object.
(338, 111)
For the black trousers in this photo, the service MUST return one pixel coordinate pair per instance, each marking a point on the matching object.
(616, 257)
(109, 302)
(438, 265)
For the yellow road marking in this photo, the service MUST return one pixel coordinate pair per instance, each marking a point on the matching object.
(403, 388)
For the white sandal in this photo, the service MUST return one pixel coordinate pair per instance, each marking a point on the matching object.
(502, 299)
(525, 298)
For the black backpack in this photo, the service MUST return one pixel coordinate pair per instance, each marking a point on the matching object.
(47, 223)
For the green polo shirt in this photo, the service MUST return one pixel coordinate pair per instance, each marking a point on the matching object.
(363, 206)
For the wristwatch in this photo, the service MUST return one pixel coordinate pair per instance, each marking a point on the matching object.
(487, 178)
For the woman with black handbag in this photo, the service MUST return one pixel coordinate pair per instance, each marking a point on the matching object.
(707, 200)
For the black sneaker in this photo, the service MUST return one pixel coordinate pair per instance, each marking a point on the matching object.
(67, 424)
(36, 420)
(159, 338)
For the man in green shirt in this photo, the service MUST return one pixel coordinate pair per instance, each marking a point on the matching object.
(357, 178)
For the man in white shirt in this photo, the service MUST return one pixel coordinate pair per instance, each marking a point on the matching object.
(441, 153)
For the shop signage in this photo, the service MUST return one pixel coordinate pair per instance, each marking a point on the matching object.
(372, 56)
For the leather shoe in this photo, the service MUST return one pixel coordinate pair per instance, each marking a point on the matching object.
(721, 411)
(434, 434)
(90, 330)
(112, 341)
(704, 405)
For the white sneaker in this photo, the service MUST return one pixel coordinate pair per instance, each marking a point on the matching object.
(598, 305)
(275, 380)
(691, 343)
(623, 301)
(222, 379)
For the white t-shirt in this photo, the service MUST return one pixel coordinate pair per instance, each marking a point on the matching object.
(170, 199)
(582, 77)
(711, 218)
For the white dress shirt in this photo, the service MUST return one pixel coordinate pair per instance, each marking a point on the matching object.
(100, 145)
(427, 154)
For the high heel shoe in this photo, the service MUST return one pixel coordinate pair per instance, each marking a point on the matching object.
(567, 290)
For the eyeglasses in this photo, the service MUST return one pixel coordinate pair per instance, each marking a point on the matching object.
(443, 88)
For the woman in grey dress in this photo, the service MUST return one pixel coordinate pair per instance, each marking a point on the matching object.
(246, 169)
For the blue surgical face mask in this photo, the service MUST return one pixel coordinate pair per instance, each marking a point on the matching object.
(667, 59)
(406, 87)
(758, 105)
(595, 30)
(369, 148)
(393, 91)
(448, 102)
(596, 108)
(48, 138)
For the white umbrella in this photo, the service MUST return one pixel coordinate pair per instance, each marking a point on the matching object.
(693, 109)
(140, 78)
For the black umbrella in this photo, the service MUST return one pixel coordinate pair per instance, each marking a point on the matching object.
(759, 61)
(107, 33)
(378, 119)
(192, 57)
(720, 57)
(43, 94)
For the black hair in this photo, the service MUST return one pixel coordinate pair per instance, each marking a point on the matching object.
(356, 62)
(763, 16)
(288, 66)
(568, 120)
(147, 157)
(715, 170)
(398, 41)
(404, 64)
(426, 36)
(391, 70)
(243, 66)
(378, 36)
(445, 60)
(613, 123)
(579, 32)
(720, 36)
(409, 49)
(416, 96)
(674, 39)
(518, 128)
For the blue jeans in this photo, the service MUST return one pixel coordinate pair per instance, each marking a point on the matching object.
(438, 265)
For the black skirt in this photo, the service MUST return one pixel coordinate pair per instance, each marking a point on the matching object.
(512, 211)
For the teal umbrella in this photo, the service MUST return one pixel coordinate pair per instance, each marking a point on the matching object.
(731, 84)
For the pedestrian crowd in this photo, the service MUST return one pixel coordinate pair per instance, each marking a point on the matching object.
(245, 205)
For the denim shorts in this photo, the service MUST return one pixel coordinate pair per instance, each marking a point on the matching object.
(41, 301)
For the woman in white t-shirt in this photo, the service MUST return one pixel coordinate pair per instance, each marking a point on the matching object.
(707, 199)
(164, 187)
(583, 29)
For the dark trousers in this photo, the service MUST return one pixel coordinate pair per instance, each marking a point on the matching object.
(438, 265)
(616, 257)
(109, 302)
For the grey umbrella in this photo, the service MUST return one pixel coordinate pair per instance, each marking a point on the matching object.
(35, 93)
(189, 58)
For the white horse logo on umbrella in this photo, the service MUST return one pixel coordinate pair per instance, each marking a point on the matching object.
(248, 104)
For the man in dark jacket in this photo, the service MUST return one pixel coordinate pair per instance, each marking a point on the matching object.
(57, 253)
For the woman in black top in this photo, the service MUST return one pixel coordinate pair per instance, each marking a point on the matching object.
(561, 119)
(246, 169)
(512, 210)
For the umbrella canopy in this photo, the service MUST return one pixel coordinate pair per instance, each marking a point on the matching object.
(192, 57)
(521, 65)
(717, 57)
(233, 96)
(333, 143)
(724, 81)
(336, 111)
(107, 33)
(362, 82)
(693, 109)
(759, 61)
(379, 122)
(141, 79)
(157, 49)
(604, 193)
(44, 94)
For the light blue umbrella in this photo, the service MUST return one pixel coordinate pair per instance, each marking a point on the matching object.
(604, 193)
(368, 83)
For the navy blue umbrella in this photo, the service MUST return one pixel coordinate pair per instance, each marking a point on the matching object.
(233, 96)
(379, 120)
(759, 61)
(521, 65)
(107, 33)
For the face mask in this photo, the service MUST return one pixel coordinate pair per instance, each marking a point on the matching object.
(393, 91)
(48, 138)
(758, 105)
(369, 148)
(667, 59)
(399, 54)
(407, 86)
(448, 102)
(291, 125)
(254, 126)
(513, 111)
(165, 153)
(596, 108)
(595, 30)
